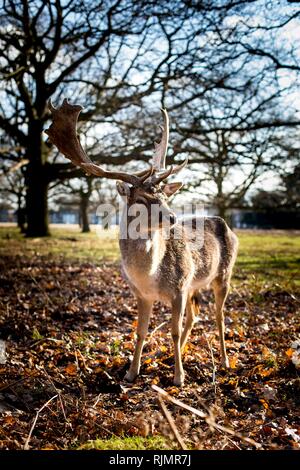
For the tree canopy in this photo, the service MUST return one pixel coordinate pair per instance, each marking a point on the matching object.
(227, 71)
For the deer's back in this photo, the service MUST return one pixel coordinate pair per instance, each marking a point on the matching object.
(191, 258)
(205, 249)
(215, 249)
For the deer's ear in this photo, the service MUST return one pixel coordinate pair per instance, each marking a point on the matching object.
(123, 189)
(171, 188)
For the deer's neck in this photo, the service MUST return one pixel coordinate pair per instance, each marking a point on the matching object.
(144, 254)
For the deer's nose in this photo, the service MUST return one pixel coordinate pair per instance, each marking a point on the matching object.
(173, 218)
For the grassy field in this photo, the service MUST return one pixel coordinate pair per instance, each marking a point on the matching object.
(264, 256)
(67, 243)
(270, 256)
(68, 320)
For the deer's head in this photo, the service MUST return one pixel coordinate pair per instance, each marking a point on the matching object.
(147, 188)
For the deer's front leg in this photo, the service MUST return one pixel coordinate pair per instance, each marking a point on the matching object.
(178, 308)
(144, 312)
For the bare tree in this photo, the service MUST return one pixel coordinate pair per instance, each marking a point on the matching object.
(13, 191)
(48, 46)
(217, 67)
(232, 108)
(78, 193)
(231, 165)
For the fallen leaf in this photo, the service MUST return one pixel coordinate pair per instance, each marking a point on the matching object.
(293, 433)
(233, 362)
(296, 359)
(71, 369)
(269, 393)
(289, 352)
(264, 403)
(128, 345)
(155, 381)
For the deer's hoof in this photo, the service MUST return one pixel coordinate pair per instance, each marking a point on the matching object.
(225, 363)
(179, 381)
(130, 376)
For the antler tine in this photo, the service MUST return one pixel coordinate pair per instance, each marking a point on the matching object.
(62, 133)
(180, 167)
(172, 170)
(162, 176)
(145, 174)
(159, 158)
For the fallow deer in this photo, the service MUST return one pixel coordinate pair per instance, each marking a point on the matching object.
(170, 269)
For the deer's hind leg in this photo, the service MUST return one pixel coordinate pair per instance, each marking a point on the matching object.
(221, 289)
(144, 312)
(190, 312)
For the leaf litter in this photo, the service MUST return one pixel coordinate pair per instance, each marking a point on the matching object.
(69, 331)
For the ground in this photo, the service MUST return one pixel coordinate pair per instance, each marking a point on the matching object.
(68, 319)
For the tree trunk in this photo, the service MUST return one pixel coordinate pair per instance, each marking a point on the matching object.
(37, 184)
(37, 207)
(84, 204)
(223, 213)
(21, 215)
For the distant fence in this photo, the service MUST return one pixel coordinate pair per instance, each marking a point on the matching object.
(270, 220)
(238, 219)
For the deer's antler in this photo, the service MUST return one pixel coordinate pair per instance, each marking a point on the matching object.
(158, 178)
(159, 158)
(62, 133)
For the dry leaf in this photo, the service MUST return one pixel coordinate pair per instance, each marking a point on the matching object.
(71, 369)
(269, 393)
(233, 362)
(289, 352)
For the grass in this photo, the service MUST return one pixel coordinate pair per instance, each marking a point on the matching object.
(128, 443)
(65, 242)
(264, 256)
(269, 257)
